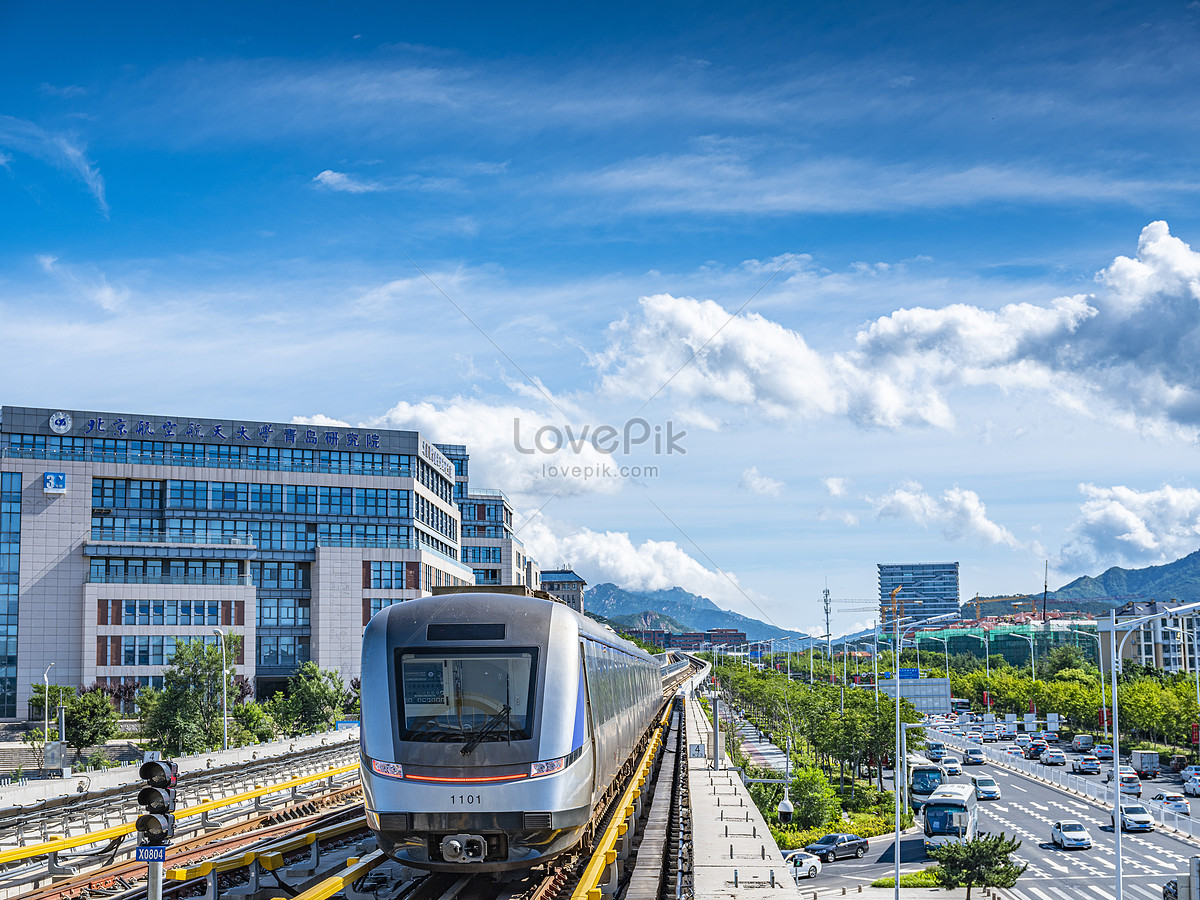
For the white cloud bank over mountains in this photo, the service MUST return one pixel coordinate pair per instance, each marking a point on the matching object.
(1122, 526)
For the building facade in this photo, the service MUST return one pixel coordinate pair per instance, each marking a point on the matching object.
(123, 534)
(566, 586)
(690, 640)
(1168, 643)
(925, 590)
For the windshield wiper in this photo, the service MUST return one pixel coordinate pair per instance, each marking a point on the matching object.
(489, 726)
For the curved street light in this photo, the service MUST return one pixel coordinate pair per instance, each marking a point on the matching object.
(224, 693)
(1100, 662)
(945, 644)
(1116, 653)
(987, 661)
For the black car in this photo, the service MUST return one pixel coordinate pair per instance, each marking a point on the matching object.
(1171, 890)
(839, 846)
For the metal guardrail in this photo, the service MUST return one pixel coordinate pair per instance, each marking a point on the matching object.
(119, 831)
(605, 854)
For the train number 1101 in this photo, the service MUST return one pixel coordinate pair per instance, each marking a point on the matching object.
(465, 799)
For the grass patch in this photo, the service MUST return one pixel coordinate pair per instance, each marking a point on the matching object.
(924, 878)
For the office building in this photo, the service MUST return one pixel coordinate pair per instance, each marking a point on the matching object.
(925, 590)
(566, 586)
(1167, 643)
(123, 534)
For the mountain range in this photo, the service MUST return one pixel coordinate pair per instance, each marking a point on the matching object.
(677, 610)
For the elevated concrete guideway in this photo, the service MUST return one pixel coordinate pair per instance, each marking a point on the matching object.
(733, 852)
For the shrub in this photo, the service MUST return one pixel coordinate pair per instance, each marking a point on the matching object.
(924, 878)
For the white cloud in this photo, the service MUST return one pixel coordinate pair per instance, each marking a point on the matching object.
(320, 419)
(1123, 526)
(756, 483)
(1131, 352)
(59, 150)
(835, 486)
(613, 556)
(959, 512)
(512, 447)
(339, 181)
(92, 286)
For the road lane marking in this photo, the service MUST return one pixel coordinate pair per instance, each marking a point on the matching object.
(1103, 893)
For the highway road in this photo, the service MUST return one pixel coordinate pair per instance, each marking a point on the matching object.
(1027, 811)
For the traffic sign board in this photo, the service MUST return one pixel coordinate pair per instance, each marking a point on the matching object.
(910, 673)
(152, 854)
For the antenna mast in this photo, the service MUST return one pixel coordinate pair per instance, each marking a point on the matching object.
(828, 634)
(1045, 590)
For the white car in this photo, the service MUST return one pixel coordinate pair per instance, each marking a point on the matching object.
(1134, 817)
(1085, 765)
(802, 864)
(1189, 773)
(1070, 833)
(975, 737)
(1191, 787)
(1173, 802)
(1054, 757)
(951, 765)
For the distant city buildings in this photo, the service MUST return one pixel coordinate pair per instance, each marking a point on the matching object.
(689, 640)
(925, 590)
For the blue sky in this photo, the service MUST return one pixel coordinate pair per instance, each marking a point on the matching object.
(916, 281)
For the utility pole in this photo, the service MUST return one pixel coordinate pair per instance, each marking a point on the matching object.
(1045, 590)
(828, 635)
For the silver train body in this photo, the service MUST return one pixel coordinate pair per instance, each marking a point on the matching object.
(492, 724)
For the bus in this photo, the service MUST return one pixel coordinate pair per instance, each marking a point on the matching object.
(959, 705)
(924, 777)
(951, 815)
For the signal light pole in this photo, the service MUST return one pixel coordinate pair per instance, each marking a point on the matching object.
(156, 825)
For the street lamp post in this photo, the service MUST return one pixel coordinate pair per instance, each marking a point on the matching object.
(46, 710)
(1100, 662)
(1117, 652)
(224, 693)
(987, 662)
(898, 763)
(946, 645)
(1032, 661)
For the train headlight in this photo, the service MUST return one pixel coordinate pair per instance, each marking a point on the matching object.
(391, 770)
(547, 767)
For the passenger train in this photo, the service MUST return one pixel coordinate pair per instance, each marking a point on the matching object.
(493, 725)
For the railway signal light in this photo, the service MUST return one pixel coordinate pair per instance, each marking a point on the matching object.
(156, 825)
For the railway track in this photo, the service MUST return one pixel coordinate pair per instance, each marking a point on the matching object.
(654, 856)
(653, 863)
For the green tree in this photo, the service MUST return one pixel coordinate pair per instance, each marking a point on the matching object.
(185, 715)
(981, 862)
(1065, 656)
(60, 695)
(250, 723)
(814, 800)
(315, 699)
(91, 721)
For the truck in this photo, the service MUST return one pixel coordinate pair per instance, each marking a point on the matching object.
(1145, 763)
(1082, 743)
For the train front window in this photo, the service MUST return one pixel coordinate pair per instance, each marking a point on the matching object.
(454, 695)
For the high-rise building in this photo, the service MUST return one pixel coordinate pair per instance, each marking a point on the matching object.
(122, 535)
(926, 590)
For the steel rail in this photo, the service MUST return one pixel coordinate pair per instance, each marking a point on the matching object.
(117, 831)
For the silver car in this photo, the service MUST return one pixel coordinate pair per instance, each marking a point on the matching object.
(1070, 833)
